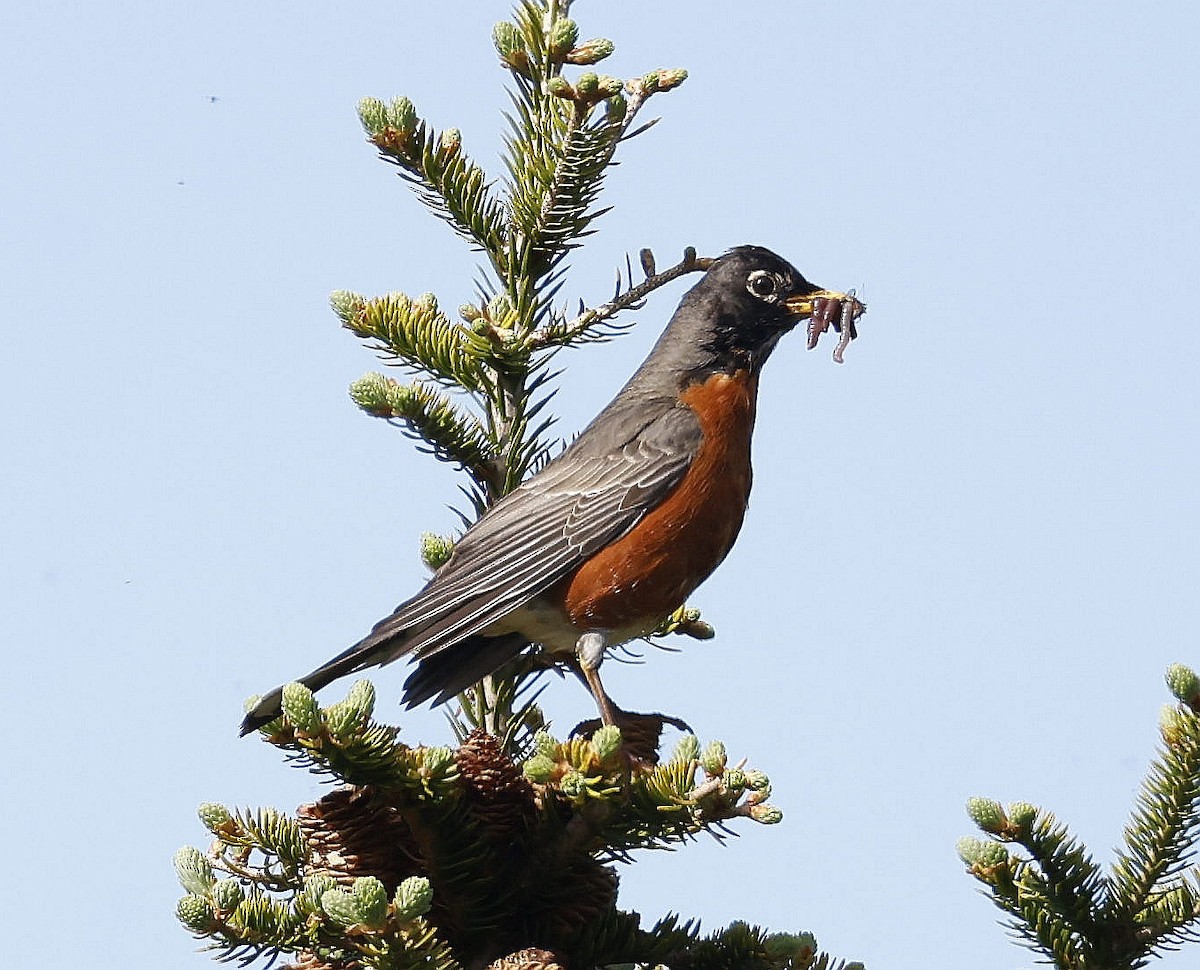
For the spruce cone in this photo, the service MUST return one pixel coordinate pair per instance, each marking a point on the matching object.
(573, 899)
(308, 960)
(351, 834)
(497, 794)
(528, 959)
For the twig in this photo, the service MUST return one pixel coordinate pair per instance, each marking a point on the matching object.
(572, 329)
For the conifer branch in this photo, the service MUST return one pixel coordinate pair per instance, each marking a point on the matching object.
(416, 333)
(1061, 901)
(454, 187)
(451, 434)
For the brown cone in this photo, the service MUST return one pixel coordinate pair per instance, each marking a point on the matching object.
(308, 960)
(528, 959)
(499, 797)
(351, 834)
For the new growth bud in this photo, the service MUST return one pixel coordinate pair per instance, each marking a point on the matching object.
(1184, 684)
(435, 549)
(591, 51)
(510, 45)
(413, 898)
(688, 749)
(988, 814)
(563, 36)
(301, 708)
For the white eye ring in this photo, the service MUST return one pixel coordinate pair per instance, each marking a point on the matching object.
(764, 285)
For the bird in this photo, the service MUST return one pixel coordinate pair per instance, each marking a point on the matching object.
(613, 534)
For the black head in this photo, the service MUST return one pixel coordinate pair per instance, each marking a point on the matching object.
(733, 318)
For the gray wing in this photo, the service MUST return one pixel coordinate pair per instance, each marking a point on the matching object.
(591, 495)
(543, 531)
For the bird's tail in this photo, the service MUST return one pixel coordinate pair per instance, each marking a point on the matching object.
(371, 651)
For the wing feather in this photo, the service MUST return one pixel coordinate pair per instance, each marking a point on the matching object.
(540, 533)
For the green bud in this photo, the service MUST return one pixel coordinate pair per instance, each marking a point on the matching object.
(608, 86)
(560, 87)
(688, 749)
(615, 108)
(544, 744)
(1171, 724)
(451, 141)
(1021, 815)
(648, 83)
(370, 901)
(346, 305)
(766, 814)
(1183, 683)
(437, 760)
(340, 907)
(606, 742)
(714, 759)
(591, 51)
(361, 699)
(308, 901)
(373, 393)
(757, 780)
(539, 769)
(669, 78)
(194, 870)
(469, 312)
(301, 708)
(342, 720)
(587, 85)
(563, 36)
(413, 898)
(227, 894)
(500, 308)
(510, 45)
(981, 852)
(988, 814)
(734, 779)
(573, 784)
(435, 549)
(798, 947)
(373, 114)
(401, 115)
(216, 818)
(426, 302)
(196, 913)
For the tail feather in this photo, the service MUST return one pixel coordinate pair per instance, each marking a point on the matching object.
(439, 676)
(369, 652)
(442, 675)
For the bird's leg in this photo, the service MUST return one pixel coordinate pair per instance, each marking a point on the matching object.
(589, 650)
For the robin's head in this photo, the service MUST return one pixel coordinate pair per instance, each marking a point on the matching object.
(748, 299)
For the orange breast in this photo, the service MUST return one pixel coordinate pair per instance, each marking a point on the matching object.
(642, 577)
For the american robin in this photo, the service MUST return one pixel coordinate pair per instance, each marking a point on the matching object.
(617, 531)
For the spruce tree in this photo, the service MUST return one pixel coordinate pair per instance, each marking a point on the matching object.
(499, 852)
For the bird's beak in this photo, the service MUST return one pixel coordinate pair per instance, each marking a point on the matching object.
(804, 305)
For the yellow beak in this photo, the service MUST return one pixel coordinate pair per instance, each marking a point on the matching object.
(804, 305)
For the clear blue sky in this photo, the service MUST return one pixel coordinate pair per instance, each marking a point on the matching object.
(971, 552)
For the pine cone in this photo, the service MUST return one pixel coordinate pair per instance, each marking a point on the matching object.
(528, 959)
(308, 960)
(574, 899)
(497, 794)
(351, 834)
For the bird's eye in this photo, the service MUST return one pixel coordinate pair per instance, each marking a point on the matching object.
(762, 284)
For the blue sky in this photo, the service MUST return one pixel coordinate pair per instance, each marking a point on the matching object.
(971, 551)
